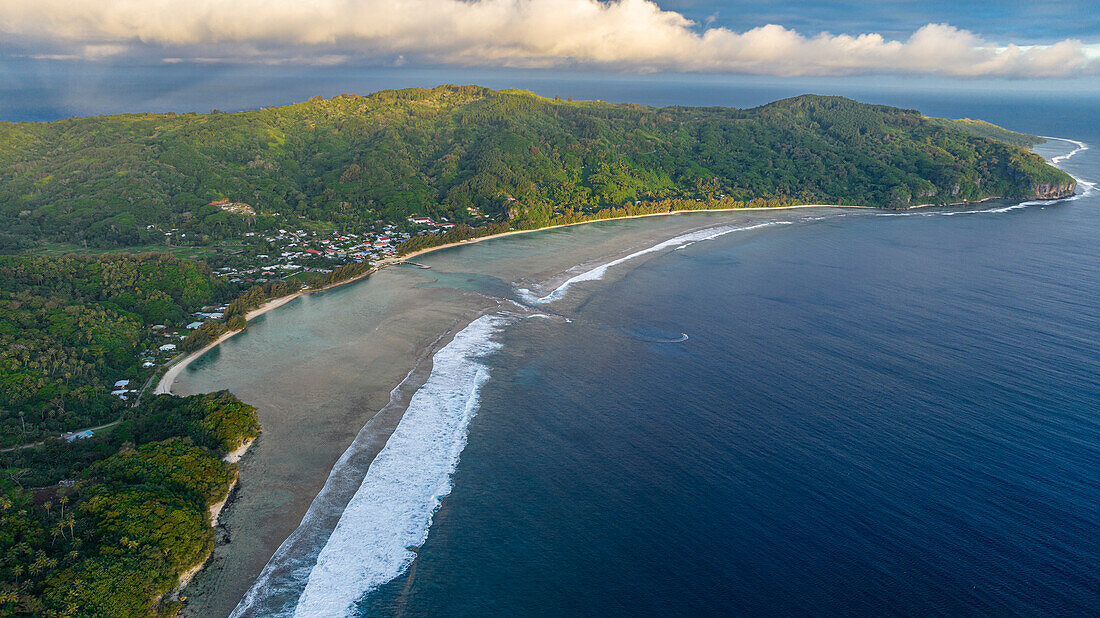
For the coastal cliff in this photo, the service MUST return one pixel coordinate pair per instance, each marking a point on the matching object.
(1053, 191)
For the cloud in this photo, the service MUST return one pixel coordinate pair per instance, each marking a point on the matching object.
(617, 35)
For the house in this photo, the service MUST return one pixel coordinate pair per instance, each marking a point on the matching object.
(148, 364)
(168, 347)
(194, 325)
(421, 220)
(219, 203)
(79, 435)
(446, 226)
(122, 384)
(121, 393)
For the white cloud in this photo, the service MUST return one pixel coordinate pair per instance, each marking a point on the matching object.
(626, 35)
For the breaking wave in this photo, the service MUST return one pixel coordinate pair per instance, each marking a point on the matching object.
(280, 583)
(405, 484)
(1080, 147)
(391, 512)
(679, 242)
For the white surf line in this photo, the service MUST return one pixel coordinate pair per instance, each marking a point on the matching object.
(285, 573)
(678, 242)
(392, 511)
(1081, 146)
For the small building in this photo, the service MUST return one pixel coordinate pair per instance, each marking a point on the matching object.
(79, 435)
(168, 347)
(122, 384)
(194, 325)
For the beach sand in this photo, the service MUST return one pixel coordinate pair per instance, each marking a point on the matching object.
(320, 369)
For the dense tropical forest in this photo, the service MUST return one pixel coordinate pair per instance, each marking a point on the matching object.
(71, 326)
(475, 156)
(116, 519)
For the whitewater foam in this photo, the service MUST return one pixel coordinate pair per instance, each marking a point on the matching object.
(1081, 147)
(392, 510)
(679, 242)
(279, 584)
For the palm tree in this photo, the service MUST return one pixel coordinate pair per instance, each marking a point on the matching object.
(70, 521)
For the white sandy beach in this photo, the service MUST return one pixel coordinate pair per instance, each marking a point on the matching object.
(164, 386)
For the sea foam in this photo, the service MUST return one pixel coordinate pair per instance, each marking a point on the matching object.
(392, 510)
(598, 272)
(1080, 147)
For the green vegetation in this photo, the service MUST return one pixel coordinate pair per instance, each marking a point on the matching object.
(453, 151)
(71, 326)
(982, 128)
(129, 515)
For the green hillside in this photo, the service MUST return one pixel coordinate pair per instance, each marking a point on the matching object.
(473, 155)
(982, 128)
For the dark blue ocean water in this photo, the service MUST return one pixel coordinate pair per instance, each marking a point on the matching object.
(870, 415)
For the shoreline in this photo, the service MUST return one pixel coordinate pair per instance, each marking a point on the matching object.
(214, 511)
(470, 241)
(164, 385)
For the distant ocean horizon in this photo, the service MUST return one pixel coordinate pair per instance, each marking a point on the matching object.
(36, 91)
(830, 413)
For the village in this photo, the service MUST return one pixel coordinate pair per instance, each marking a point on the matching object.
(276, 255)
(290, 252)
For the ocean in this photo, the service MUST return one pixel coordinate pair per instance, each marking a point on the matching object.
(828, 412)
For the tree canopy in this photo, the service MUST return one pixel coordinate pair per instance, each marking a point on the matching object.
(509, 154)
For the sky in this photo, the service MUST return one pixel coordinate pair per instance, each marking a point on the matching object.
(66, 57)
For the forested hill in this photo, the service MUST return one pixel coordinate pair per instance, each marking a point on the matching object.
(472, 155)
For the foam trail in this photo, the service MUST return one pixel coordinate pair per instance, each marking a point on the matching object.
(405, 484)
(678, 242)
(1081, 147)
(280, 583)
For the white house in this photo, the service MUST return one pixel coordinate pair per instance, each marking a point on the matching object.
(122, 384)
(168, 347)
